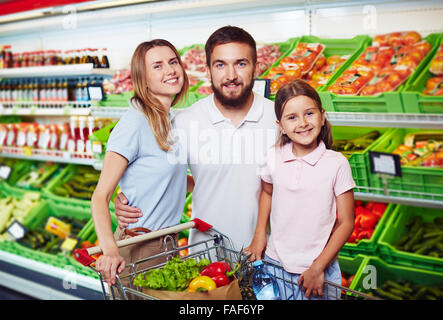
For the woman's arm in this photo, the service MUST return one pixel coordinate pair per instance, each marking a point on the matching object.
(258, 243)
(313, 278)
(114, 165)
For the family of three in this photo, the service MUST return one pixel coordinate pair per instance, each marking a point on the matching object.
(253, 161)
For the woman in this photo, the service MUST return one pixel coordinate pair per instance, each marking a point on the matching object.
(138, 159)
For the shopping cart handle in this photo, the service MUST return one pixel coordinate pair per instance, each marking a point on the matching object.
(84, 255)
(200, 225)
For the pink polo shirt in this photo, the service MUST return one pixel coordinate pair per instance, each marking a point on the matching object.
(303, 210)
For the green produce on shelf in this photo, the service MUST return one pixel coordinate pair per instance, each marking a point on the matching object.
(39, 175)
(80, 186)
(356, 144)
(12, 208)
(42, 240)
(19, 168)
(406, 290)
(423, 238)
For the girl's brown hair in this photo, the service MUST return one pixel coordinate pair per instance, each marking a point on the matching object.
(294, 89)
(151, 107)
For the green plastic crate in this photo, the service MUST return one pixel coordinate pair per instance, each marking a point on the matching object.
(352, 47)
(117, 99)
(38, 218)
(395, 229)
(415, 182)
(374, 268)
(387, 102)
(63, 177)
(414, 101)
(369, 246)
(358, 160)
(351, 266)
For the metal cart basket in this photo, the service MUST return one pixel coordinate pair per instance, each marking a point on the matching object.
(217, 247)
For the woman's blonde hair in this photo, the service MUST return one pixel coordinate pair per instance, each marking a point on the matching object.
(294, 89)
(151, 107)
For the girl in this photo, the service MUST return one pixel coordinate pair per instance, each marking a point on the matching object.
(307, 194)
(138, 158)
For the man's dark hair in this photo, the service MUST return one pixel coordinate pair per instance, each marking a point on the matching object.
(229, 34)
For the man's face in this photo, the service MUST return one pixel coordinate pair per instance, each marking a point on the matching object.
(232, 73)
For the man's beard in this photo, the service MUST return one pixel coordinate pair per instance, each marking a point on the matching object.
(233, 102)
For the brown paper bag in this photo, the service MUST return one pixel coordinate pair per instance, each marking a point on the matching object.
(227, 292)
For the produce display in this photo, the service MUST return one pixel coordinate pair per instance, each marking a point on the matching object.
(367, 217)
(424, 149)
(39, 175)
(49, 240)
(407, 290)
(323, 70)
(267, 55)
(194, 62)
(119, 83)
(422, 238)
(12, 208)
(434, 85)
(346, 279)
(356, 144)
(79, 186)
(298, 63)
(384, 66)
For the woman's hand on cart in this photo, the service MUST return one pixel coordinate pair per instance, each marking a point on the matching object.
(125, 213)
(256, 248)
(109, 265)
(312, 281)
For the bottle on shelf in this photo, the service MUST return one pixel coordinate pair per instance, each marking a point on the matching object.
(35, 93)
(54, 132)
(104, 62)
(7, 56)
(3, 134)
(264, 284)
(32, 135)
(81, 139)
(73, 135)
(64, 136)
(12, 134)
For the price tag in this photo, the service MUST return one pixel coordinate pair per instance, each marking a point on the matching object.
(16, 230)
(97, 147)
(261, 86)
(69, 244)
(5, 171)
(27, 151)
(385, 163)
(95, 92)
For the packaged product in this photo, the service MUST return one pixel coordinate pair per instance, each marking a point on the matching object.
(434, 86)
(352, 81)
(436, 66)
(388, 79)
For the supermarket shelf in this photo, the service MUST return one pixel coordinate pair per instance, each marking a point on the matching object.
(55, 71)
(71, 108)
(410, 199)
(397, 120)
(45, 155)
(42, 281)
(108, 112)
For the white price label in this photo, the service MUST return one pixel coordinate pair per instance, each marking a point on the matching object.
(5, 171)
(16, 230)
(385, 163)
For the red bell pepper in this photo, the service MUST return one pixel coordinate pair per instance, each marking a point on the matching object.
(220, 272)
(379, 209)
(368, 220)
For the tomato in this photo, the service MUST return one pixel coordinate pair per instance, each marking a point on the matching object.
(368, 90)
(384, 86)
(433, 82)
(287, 60)
(293, 73)
(409, 61)
(189, 213)
(275, 86)
(423, 46)
(381, 40)
(436, 66)
(394, 79)
(411, 37)
(395, 39)
(321, 61)
(182, 242)
(334, 59)
(283, 79)
(183, 253)
(277, 70)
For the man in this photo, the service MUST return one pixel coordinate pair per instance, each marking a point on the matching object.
(225, 136)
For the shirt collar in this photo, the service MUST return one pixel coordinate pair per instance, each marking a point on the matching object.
(311, 158)
(254, 114)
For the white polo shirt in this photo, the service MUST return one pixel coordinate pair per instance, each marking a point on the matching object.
(224, 161)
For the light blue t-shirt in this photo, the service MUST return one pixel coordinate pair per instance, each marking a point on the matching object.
(153, 181)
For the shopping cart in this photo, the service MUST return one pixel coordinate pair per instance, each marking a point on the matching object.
(218, 247)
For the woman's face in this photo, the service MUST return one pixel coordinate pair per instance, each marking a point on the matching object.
(164, 74)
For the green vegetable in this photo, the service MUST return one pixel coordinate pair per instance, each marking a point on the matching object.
(174, 276)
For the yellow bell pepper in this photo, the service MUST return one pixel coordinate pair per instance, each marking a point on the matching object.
(201, 283)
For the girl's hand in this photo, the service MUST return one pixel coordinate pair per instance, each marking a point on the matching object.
(108, 265)
(312, 281)
(256, 248)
